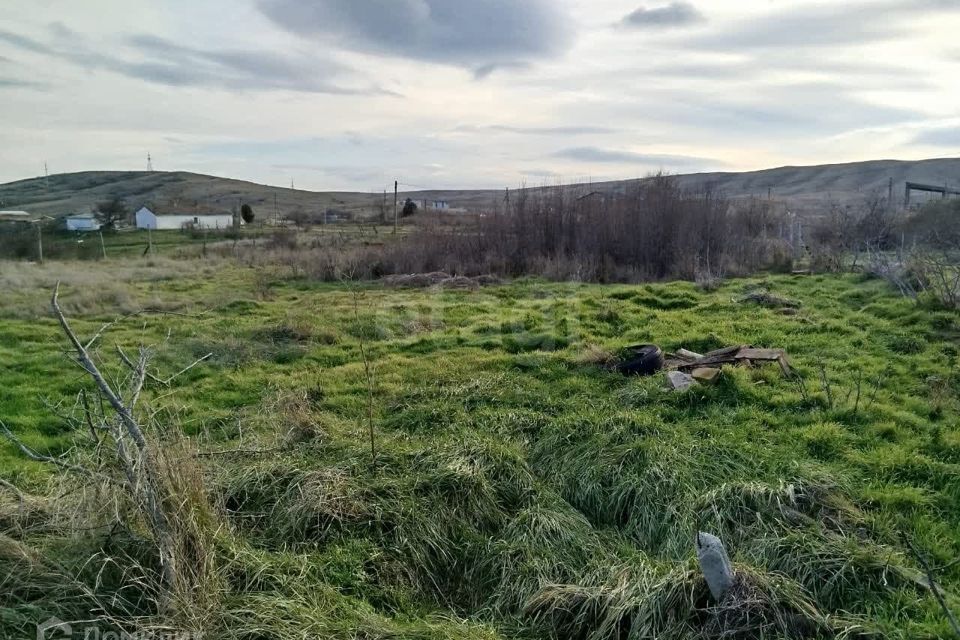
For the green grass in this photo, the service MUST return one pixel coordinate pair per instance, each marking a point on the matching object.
(520, 491)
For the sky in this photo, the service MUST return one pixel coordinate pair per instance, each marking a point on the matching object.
(352, 94)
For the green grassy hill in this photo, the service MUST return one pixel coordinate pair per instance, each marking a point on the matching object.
(518, 489)
(807, 189)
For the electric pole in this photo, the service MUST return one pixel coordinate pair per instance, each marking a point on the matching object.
(396, 183)
(39, 224)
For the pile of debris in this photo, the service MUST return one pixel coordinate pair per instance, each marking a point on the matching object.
(686, 368)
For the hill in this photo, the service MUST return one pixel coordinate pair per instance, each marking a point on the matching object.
(67, 193)
(805, 189)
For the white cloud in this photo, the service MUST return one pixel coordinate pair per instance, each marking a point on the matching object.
(342, 94)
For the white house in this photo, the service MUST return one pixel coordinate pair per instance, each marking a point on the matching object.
(434, 204)
(82, 222)
(182, 217)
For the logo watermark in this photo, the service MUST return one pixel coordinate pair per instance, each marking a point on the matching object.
(56, 629)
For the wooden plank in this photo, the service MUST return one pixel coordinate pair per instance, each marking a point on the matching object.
(725, 351)
(760, 354)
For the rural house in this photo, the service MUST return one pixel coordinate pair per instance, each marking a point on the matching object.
(434, 204)
(183, 217)
(82, 222)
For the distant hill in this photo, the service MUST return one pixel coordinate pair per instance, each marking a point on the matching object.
(805, 189)
(67, 193)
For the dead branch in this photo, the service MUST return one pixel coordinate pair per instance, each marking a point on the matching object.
(16, 491)
(87, 363)
(934, 587)
(856, 404)
(237, 452)
(132, 366)
(143, 475)
(368, 374)
(825, 383)
(163, 381)
(185, 369)
(39, 457)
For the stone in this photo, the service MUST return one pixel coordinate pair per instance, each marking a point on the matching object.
(706, 375)
(679, 381)
(715, 564)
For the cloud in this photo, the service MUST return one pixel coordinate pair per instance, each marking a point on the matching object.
(153, 59)
(820, 25)
(568, 130)
(615, 156)
(482, 35)
(675, 14)
(174, 64)
(484, 71)
(24, 43)
(939, 137)
(14, 83)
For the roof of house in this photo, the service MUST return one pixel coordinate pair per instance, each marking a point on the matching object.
(82, 216)
(14, 214)
(186, 209)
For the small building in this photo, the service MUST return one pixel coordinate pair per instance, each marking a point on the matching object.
(434, 204)
(82, 222)
(22, 216)
(182, 217)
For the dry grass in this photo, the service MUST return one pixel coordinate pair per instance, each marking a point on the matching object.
(95, 288)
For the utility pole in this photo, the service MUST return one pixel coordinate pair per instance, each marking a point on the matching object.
(39, 224)
(396, 183)
(46, 175)
(103, 247)
(149, 163)
(890, 194)
(149, 241)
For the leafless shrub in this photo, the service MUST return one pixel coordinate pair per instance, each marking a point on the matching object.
(144, 479)
(937, 273)
(845, 234)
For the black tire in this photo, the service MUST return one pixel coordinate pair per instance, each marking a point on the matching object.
(641, 360)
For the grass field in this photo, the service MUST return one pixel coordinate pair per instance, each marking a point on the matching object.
(519, 489)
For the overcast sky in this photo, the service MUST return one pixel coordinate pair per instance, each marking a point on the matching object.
(348, 94)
